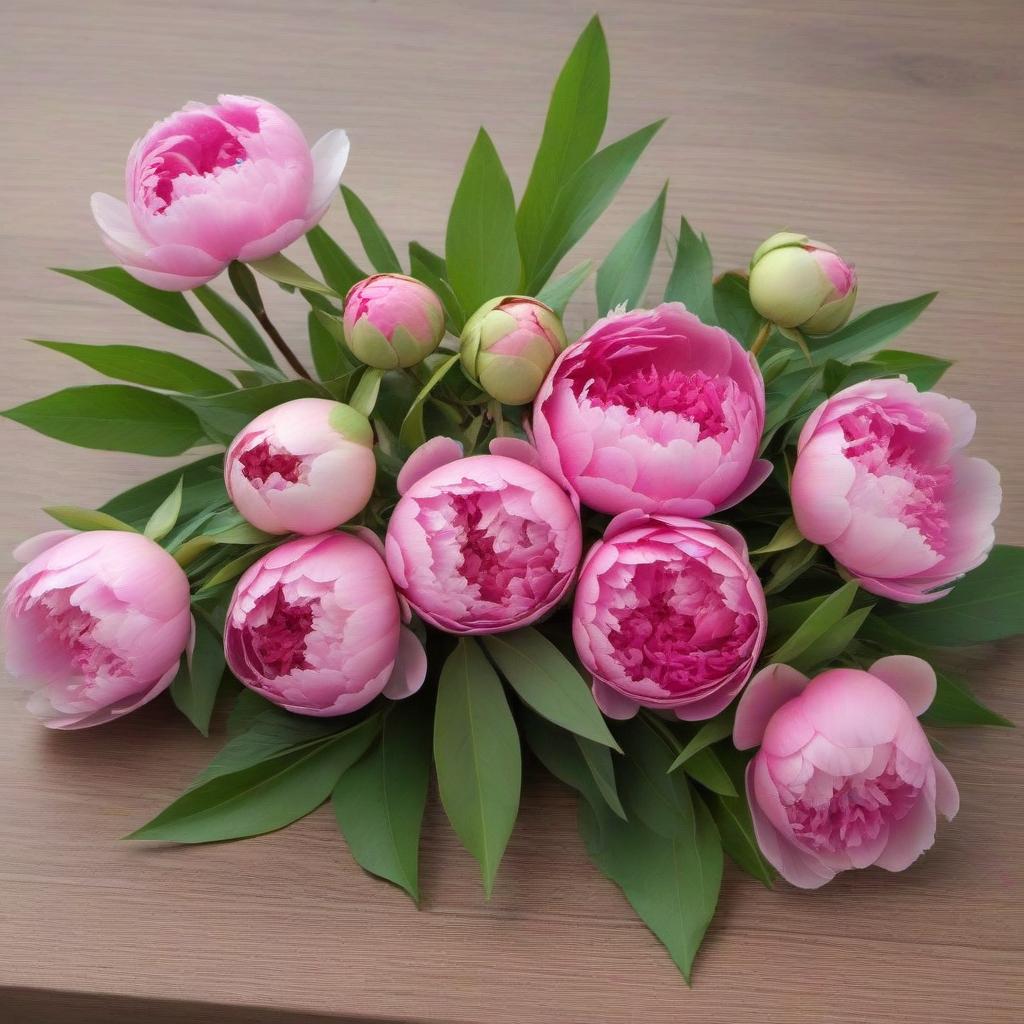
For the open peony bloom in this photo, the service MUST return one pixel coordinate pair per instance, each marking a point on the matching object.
(212, 184)
(845, 777)
(669, 614)
(654, 410)
(96, 624)
(302, 467)
(315, 626)
(881, 480)
(484, 544)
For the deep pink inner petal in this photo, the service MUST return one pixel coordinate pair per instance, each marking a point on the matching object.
(263, 461)
(899, 469)
(279, 642)
(833, 814)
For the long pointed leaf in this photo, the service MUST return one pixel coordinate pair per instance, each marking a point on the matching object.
(375, 243)
(623, 276)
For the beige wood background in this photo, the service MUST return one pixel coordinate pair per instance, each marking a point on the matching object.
(891, 129)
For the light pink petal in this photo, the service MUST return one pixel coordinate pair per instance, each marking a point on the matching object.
(612, 703)
(436, 452)
(35, 546)
(772, 687)
(169, 282)
(947, 796)
(410, 667)
(760, 470)
(905, 591)
(912, 678)
(115, 221)
(515, 448)
(910, 836)
(271, 244)
(330, 154)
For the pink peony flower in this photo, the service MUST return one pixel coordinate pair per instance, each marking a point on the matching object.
(392, 320)
(484, 544)
(315, 626)
(303, 467)
(669, 614)
(845, 777)
(212, 184)
(881, 481)
(96, 624)
(653, 410)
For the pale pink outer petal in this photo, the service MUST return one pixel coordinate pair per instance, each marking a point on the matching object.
(947, 796)
(770, 688)
(364, 533)
(269, 245)
(910, 836)
(330, 154)
(431, 455)
(612, 703)
(760, 470)
(798, 867)
(515, 448)
(410, 667)
(35, 546)
(912, 678)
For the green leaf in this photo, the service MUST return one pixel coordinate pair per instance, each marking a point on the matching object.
(430, 268)
(234, 568)
(584, 765)
(735, 827)
(476, 752)
(661, 800)
(924, 372)
(239, 328)
(955, 706)
(733, 309)
(584, 197)
(672, 883)
(169, 308)
(547, 681)
(327, 345)
(202, 487)
(364, 398)
(827, 647)
(710, 732)
(789, 565)
(112, 417)
(76, 518)
(337, 267)
(378, 248)
(820, 621)
(379, 801)
(242, 535)
(146, 366)
(691, 279)
(788, 397)
(705, 768)
(283, 271)
(481, 251)
(786, 536)
(165, 515)
(557, 293)
(871, 331)
(986, 605)
(624, 274)
(194, 689)
(575, 122)
(263, 797)
(412, 434)
(223, 416)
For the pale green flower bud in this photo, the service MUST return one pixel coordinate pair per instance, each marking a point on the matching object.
(508, 346)
(802, 284)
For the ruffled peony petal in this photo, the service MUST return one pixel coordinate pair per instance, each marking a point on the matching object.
(912, 678)
(431, 455)
(35, 546)
(410, 667)
(769, 689)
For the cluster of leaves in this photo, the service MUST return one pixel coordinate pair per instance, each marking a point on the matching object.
(660, 802)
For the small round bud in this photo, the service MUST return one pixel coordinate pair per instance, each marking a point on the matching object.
(392, 321)
(508, 346)
(798, 283)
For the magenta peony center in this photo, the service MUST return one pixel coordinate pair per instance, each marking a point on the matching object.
(856, 812)
(262, 461)
(205, 146)
(280, 642)
(895, 475)
(674, 626)
(695, 396)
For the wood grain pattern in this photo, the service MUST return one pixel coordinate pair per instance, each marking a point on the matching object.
(890, 128)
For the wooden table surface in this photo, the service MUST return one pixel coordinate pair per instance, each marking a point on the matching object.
(891, 129)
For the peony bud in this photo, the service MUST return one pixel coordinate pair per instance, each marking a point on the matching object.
(392, 321)
(508, 346)
(302, 467)
(96, 624)
(797, 283)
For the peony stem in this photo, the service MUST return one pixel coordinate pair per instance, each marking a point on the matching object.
(282, 346)
(762, 338)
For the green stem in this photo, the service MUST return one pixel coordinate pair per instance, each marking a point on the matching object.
(762, 338)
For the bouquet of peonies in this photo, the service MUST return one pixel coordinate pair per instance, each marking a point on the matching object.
(697, 560)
